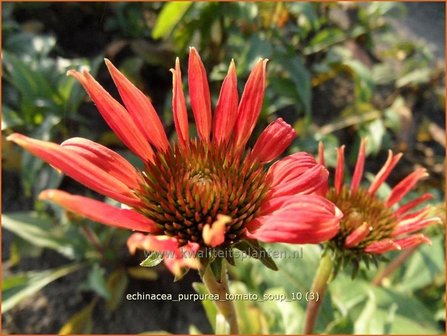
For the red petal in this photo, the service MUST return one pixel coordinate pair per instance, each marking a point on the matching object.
(226, 108)
(106, 159)
(384, 172)
(77, 167)
(251, 104)
(290, 167)
(412, 241)
(414, 225)
(355, 237)
(152, 243)
(179, 105)
(412, 204)
(99, 211)
(140, 108)
(274, 140)
(298, 173)
(382, 246)
(359, 166)
(116, 116)
(199, 93)
(302, 219)
(404, 186)
(340, 169)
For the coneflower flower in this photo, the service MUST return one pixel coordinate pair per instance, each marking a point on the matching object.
(372, 226)
(208, 191)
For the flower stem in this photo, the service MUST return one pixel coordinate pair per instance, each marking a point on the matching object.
(319, 285)
(392, 266)
(220, 287)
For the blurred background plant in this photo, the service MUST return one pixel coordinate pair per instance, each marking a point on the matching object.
(337, 72)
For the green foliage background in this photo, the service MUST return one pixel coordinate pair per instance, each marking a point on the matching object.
(337, 72)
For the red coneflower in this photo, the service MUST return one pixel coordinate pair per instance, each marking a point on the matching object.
(372, 225)
(198, 192)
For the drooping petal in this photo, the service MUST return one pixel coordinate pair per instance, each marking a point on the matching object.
(214, 235)
(358, 235)
(78, 168)
(309, 182)
(359, 166)
(419, 214)
(106, 159)
(404, 186)
(116, 116)
(251, 104)
(273, 141)
(199, 94)
(226, 108)
(179, 105)
(412, 241)
(298, 173)
(382, 246)
(303, 219)
(290, 167)
(412, 204)
(140, 109)
(151, 243)
(175, 258)
(340, 169)
(413, 226)
(100, 211)
(381, 176)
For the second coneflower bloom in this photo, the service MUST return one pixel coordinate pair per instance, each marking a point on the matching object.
(372, 226)
(205, 191)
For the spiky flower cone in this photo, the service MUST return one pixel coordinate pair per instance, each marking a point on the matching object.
(200, 192)
(372, 226)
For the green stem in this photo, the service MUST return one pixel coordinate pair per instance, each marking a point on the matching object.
(392, 266)
(319, 285)
(220, 287)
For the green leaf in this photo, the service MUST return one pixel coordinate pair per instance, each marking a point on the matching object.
(38, 231)
(427, 263)
(300, 77)
(405, 307)
(142, 273)
(10, 118)
(286, 316)
(193, 330)
(415, 77)
(20, 286)
(116, 285)
(364, 84)
(81, 322)
(324, 39)
(222, 326)
(375, 132)
(366, 322)
(169, 17)
(254, 250)
(152, 260)
(96, 282)
(31, 84)
(208, 305)
(251, 319)
(216, 267)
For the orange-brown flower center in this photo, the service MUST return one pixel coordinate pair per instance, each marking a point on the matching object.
(187, 188)
(359, 208)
